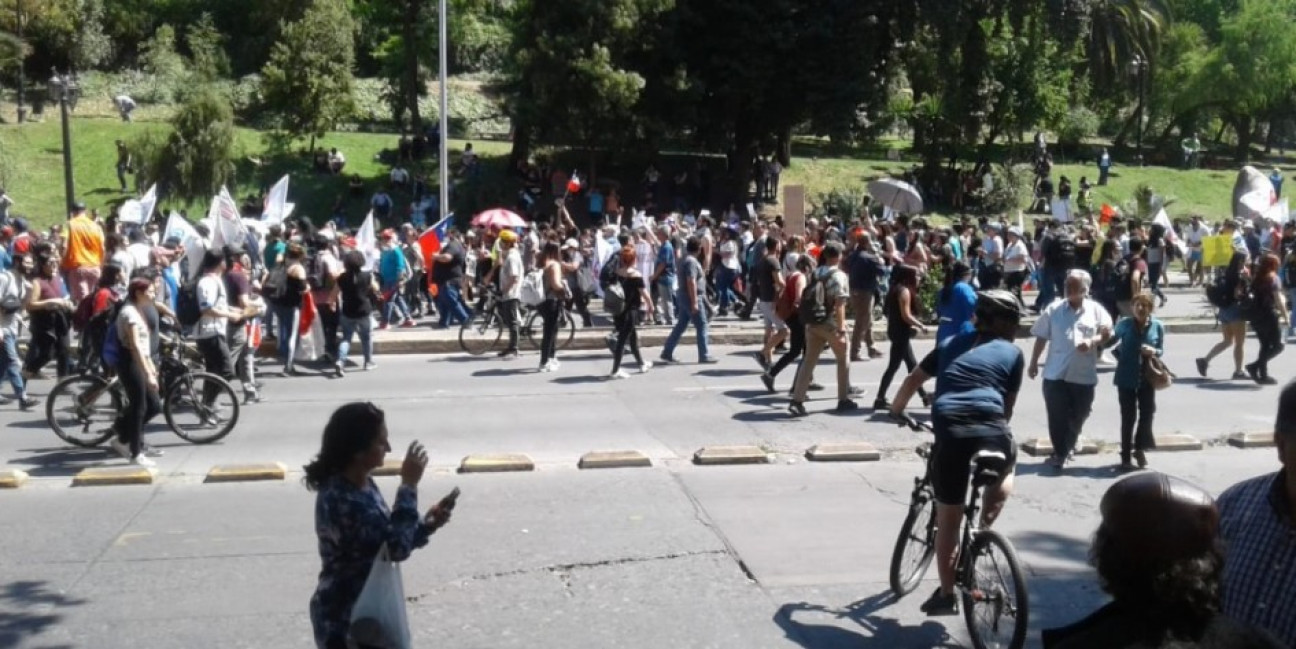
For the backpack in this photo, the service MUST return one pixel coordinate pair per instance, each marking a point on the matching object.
(814, 303)
(275, 288)
(533, 292)
(1219, 296)
(110, 346)
(81, 317)
(614, 299)
(10, 294)
(1118, 281)
(607, 274)
(1062, 252)
(188, 310)
(1289, 271)
(317, 275)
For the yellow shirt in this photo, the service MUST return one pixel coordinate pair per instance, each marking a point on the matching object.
(85, 244)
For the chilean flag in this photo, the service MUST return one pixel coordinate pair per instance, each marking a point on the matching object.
(432, 238)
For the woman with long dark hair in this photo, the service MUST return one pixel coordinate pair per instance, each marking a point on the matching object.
(1158, 257)
(1232, 325)
(1270, 306)
(1137, 337)
(555, 293)
(352, 519)
(636, 296)
(355, 293)
(137, 369)
(788, 307)
(50, 310)
(901, 310)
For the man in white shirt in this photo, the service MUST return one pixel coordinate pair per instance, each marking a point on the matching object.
(399, 176)
(992, 250)
(336, 161)
(213, 326)
(1193, 235)
(1073, 330)
(125, 106)
(5, 204)
(511, 273)
(140, 249)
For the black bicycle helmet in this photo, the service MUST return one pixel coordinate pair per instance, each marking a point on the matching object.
(998, 303)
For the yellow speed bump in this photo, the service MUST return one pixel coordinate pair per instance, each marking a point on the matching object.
(1043, 447)
(722, 455)
(117, 475)
(12, 479)
(496, 463)
(614, 460)
(1251, 440)
(843, 452)
(247, 472)
(1178, 443)
(388, 469)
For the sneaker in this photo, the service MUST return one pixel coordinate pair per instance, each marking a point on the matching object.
(874, 353)
(545, 368)
(119, 448)
(1202, 364)
(797, 409)
(666, 360)
(619, 374)
(554, 364)
(149, 451)
(815, 387)
(509, 355)
(27, 403)
(856, 391)
(846, 405)
(940, 604)
(708, 360)
(768, 381)
(250, 396)
(369, 367)
(647, 365)
(140, 460)
(407, 324)
(384, 327)
(1267, 380)
(1241, 376)
(1253, 372)
(762, 361)
(1053, 461)
(339, 370)
(881, 404)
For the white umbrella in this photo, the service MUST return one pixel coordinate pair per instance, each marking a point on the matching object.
(898, 195)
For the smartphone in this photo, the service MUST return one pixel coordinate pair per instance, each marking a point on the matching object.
(448, 503)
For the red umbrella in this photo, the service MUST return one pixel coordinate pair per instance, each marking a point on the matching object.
(500, 218)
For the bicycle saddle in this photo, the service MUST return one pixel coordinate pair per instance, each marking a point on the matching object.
(1156, 515)
(988, 467)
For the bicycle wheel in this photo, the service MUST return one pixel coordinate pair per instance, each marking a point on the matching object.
(480, 334)
(995, 603)
(82, 409)
(566, 323)
(532, 328)
(200, 407)
(915, 546)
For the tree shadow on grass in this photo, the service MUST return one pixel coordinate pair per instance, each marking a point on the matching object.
(29, 609)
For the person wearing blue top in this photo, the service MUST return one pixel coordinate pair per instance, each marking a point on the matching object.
(664, 277)
(955, 303)
(394, 269)
(978, 375)
(1137, 338)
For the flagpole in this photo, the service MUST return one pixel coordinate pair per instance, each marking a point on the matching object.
(444, 153)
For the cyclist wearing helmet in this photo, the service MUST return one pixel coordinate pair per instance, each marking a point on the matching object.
(978, 375)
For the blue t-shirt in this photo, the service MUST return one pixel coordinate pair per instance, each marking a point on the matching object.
(864, 269)
(956, 312)
(973, 380)
(596, 203)
(666, 257)
(391, 265)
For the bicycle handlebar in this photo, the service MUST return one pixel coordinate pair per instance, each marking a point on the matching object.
(903, 419)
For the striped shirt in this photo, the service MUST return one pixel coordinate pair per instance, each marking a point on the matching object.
(1260, 555)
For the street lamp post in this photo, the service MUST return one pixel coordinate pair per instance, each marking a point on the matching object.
(1139, 67)
(444, 153)
(65, 89)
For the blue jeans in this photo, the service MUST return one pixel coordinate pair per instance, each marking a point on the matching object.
(1052, 283)
(450, 303)
(12, 365)
(397, 303)
(684, 316)
(362, 326)
(288, 323)
(725, 279)
(1068, 406)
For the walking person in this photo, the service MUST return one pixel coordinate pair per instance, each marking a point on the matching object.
(636, 296)
(555, 294)
(956, 303)
(828, 328)
(353, 522)
(901, 307)
(577, 277)
(788, 307)
(394, 269)
(124, 165)
(1016, 262)
(84, 254)
(13, 293)
(664, 277)
(727, 273)
(1226, 296)
(239, 294)
(286, 304)
(510, 275)
(137, 370)
(865, 270)
(322, 277)
(448, 267)
(1072, 330)
(50, 312)
(1158, 259)
(767, 275)
(212, 331)
(690, 304)
(1137, 338)
(355, 294)
(1269, 307)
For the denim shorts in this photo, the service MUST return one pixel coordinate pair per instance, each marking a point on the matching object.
(1230, 314)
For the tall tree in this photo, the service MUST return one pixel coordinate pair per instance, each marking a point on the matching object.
(197, 157)
(308, 83)
(1121, 30)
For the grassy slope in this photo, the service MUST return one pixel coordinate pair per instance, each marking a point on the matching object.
(36, 180)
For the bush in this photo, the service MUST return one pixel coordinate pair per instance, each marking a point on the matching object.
(1077, 124)
(1010, 187)
(846, 205)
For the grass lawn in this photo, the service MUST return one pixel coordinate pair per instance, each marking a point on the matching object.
(32, 173)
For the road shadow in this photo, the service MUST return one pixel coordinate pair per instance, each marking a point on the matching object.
(579, 380)
(870, 628)
(1230, 386)
(719, 374)
(501, 372)
(759, 416)
(464, 359)
(1052, 545)
(1106, 472)
(62, 462)
(30, 608)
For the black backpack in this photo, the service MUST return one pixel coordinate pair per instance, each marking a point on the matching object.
(275, 288)
(1062, 251)
(814, 303)
(317, 275)
(1219, 295)
(607, 275)
(188, 310)
(1289, 271)
(1118, 282)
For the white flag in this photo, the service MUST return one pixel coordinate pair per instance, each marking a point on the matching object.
(367, 241)
(180, 229)
(229, 229)
(1280, 212)
(276, 207)
(148, 203)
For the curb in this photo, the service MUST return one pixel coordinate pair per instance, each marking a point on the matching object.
(496, 463)
(247, 472)
(613, 460)
(1175, 443)
(729, 455)
(124, 475)
(388, 469)
(1251, 440)
(843, 452)
(12, 479)
(1043, 447)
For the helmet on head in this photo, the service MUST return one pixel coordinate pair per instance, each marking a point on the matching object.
(998, 303)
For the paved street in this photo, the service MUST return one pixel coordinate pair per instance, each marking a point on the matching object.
(790, 554)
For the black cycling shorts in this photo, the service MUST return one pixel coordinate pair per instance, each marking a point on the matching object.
(952, 464)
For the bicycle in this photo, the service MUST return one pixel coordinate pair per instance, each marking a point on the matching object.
(991, 604)
(198, 406)
(485, 328)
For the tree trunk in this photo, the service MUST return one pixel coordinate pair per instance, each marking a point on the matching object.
(1269, 136)
(784, 150)
(1243, 124)
(746, 147)
(410, 38)
(1118, 142)
(521, 143)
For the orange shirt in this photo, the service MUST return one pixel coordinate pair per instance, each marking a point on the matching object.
(85, 244)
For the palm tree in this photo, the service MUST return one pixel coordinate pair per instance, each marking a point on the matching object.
(11, 50)
(1120, 30)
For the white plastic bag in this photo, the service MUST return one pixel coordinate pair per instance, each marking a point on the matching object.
(378, 618)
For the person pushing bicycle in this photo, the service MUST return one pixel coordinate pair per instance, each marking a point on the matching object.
(978, 375)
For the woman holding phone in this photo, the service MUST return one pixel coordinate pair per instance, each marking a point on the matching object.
(352, 519)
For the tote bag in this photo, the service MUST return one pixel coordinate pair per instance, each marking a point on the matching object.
(378, 618)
